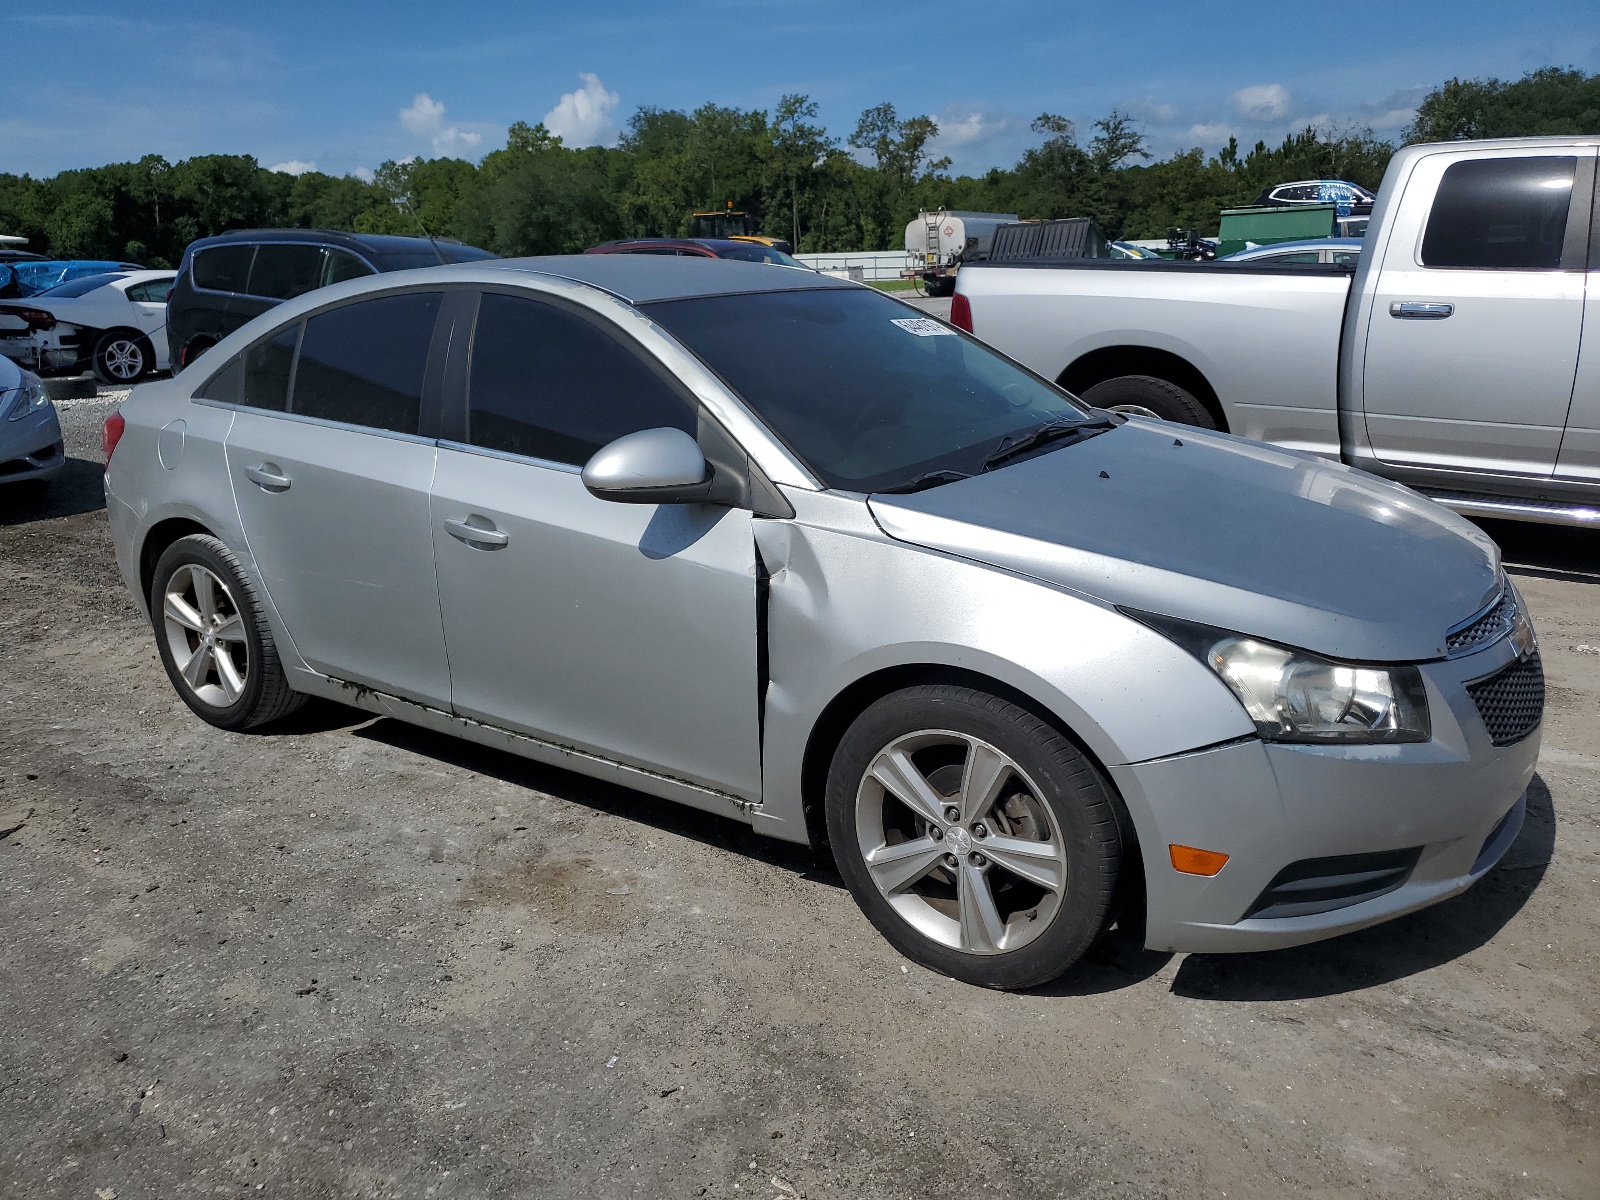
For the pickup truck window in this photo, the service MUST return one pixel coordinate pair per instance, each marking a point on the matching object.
(866, 391)
(1501, 213)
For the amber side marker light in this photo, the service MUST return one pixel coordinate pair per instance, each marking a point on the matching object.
(1192, 861)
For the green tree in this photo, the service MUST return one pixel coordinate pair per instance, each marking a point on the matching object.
(1549, 101)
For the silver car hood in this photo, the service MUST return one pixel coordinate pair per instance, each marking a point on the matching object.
(1215, 529)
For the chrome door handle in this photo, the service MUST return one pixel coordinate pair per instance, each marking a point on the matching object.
(1416, 310)
(269, 477)
(483, 537)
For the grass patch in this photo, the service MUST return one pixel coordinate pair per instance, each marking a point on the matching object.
(892, 285)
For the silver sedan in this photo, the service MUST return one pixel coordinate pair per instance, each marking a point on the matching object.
(782, 548)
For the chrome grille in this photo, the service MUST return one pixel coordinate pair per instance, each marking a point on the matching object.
(1490, 627)
(1511, 701)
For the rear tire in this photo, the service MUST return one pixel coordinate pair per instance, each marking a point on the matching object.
(123, 357)
(976, 837)
(1147, 396)
(214, 639)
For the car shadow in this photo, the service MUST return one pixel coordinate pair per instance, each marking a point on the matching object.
(1394, 950)
(664, 815)
(78, 489)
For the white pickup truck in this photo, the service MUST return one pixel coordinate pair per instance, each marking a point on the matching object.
(1452, 358)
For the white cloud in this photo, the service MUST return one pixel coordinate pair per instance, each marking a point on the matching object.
(1209, 134)
(293, 167)
(365, 174)
(1263, 101)
(425, 118)
(584, 117)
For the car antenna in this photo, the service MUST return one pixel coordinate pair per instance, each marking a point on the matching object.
(405, 202)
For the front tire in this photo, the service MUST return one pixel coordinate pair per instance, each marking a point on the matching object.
(122, 358)
(214, 639)
(976, 837)
(1147, 396)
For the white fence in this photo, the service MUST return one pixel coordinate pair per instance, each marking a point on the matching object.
(874, 264)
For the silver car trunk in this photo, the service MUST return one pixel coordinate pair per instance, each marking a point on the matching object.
(1223, 531)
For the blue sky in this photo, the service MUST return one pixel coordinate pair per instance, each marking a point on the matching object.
(345, 87)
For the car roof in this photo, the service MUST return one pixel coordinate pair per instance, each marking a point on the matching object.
(642, 278)
(377, 243)
(145, 276)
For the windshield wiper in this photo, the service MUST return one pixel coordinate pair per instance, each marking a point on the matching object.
(927, 480)
(1053, 431)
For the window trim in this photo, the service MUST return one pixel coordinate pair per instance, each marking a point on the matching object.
(1577, 234)
(254, 246)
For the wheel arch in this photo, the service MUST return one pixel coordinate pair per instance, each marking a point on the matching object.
(840, 712)
(156, 540)
(1109, 362)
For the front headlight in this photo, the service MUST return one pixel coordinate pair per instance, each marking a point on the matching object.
(1294, 696)
(27, 399)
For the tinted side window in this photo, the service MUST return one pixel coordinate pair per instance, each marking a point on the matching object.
(224, 385)
(342, 265)
(284, 272)
(223, 268)
(363, 363)
(1500, 212)
(266, 370)
(546, 383)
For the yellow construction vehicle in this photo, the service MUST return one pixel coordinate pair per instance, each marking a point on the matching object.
(734, 224)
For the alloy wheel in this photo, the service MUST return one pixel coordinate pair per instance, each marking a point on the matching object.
(206, 635)
(124, 359)
(1136, 410)
(959, 842)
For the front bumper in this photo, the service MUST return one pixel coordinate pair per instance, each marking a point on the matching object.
(31, 449)
(1454, 800)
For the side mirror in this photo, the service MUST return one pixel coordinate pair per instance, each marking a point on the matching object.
(653, 466)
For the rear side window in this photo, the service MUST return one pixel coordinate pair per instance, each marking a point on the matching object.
(342, 265)
(266, 370)
(282, 272)
(546, 383)
(153, 292)
(363, 364)
(223, 268)
(1500, 213)
(224, 385)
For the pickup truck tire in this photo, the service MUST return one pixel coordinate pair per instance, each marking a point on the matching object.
(975, 836)
(1147, 396)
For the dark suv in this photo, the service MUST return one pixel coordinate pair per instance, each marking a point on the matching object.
(226, 280)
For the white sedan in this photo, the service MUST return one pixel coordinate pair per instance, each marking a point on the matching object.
(113, 324)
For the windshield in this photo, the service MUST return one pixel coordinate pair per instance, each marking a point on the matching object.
(79, 287)
(866, 391)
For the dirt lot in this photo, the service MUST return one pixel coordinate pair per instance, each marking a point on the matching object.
(347, 958)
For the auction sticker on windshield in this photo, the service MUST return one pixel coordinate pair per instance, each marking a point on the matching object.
(923, 327)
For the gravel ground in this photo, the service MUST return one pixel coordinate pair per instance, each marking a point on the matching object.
(347, 958)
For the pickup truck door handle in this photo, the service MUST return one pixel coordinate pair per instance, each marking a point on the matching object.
(479, 537)
(269, 477)
(1416, 310)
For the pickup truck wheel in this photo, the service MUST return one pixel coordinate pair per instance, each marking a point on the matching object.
(976, 837)
(1147, 396)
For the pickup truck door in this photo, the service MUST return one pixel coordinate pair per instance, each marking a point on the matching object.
(1580, 448)
(1472, 340)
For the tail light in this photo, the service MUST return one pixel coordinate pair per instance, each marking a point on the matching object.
(112, 433)
(37, 319)
(961, 313)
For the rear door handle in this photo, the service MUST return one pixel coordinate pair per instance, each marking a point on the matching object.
(1416, 310)
(482, 537)
(268, 477)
